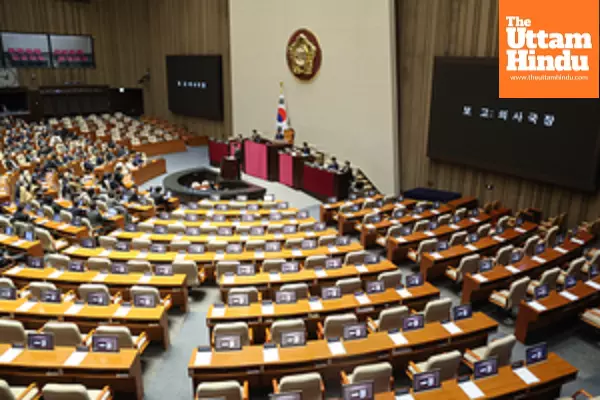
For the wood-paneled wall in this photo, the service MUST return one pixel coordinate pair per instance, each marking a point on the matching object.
(120, 30)
(428, 28)
(131, 36)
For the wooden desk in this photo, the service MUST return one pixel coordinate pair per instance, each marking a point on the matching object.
(233, 201)
(500, 277)
(152, 320)
(150, 170)
(249, 364)
(253, 314)
(174, 285)
(168, 237)
(347, 221)
(237, 213)
(59, 228)
(559, 310)
(327, 211)
(23, 246)
(122, 371)
(397, 247)
(155, 149)
(553, 373)
(262, 222)
(323, 183)
(433, 267)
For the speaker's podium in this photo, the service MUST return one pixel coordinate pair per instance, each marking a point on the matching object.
(230, 169)
(261, 158)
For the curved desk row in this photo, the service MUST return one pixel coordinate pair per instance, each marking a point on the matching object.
(17, 244)
(347, 221)
(327, 211)
(262, 222)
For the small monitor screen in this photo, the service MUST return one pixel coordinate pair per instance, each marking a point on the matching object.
(224, 231)
(35, 262)
(97, 299)
(144, 300)
(442, 245)
(319, 227)
(539, 248)
(463, 311)
(560, 239)
(56, 218)
(192, 231)
(414, 280)
(105, 343)
(29, 236)
(474, 212)
(536, 354)
(272, 247)
(426, 381)
(285, 297)
(247, 218)
(309, 244)
(257, 231)
(246, 269)
(289, 229)
(221, 207)
(215, 197)
(352, 196)
(158, 248)
(191, 217)
(433, 226)
(520, 221)
(238, 299)
(541, 291)
(228, 342)
(359, 391)
(331, 292)
(456, 219)
(593, 272)
(570, 281)
(355, 331)
(485, 265)
(160, 229)
(218, 218)
(333, 263)
(119, 268)
(485, 368)
(163, 215)
(413, 322)
(331, 200)
(342, 241)
(436, 204)
(252, 207)
(499, 229)
(293, 338)
(398, 214)
(122, 246)
(8, 293)
(233, 248)
(192, 206)
(9, 231)
(164, 270)
(195, 249)
(302, 214)
(289, 267)
(283, 205)
(375, 219)
(40, 341)
(51, 296)
(269, 197)
(371, 259)
(406, 230)
(375, 287)
(354, 208)
(275, 216)
(516, 256)
(473, 237)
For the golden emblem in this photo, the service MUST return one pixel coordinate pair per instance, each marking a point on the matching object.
(303, 54)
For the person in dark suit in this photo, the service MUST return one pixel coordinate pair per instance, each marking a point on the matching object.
(305, 149)
(279, 134)
(157, 196)
(20, 215)
(333, 166)
(95, 217)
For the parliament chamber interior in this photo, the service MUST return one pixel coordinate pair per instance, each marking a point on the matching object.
(268, 199)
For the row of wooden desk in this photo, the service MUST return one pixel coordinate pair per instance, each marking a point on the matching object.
(150, 170)
(478, 287)
(433, 265)
(329, 210)
(230, 223)
(16, 244)
(166, 147)
(347, 221)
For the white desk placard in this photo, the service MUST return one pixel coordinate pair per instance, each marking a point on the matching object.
(219, 257)
(297, 253)
(577, 241)
(259, 254)
(498, 239)
(320, 273)
(74, 309)
(336, 348)
(474, 220)
(400, 239)
(404, 293)
(278, 236)
(76, 358)
(217, 312)
(480, 278)
(100, 277)
(526, 375)
(271, 354)
(332, 249)
(561, 250)
(293, 221)
(142, 255)
(122, 311)
(18, 243)
(229, 279)
(593, 285)
(435, 212)
(315, 305)
(105, 253)
(538, 259)
(520, 230)
(398, 338)
(407, 396)
(429, 233)
(361, 268)
(55, 274)
(274, 277)
(568, 296)
(436, 255)
(537, 306)
(28, 305)
(454, 227)
(512, 269)
(363, 299)
(471, 390)
(14, 270)
(10, 354)
(180, 256)
(203, 358)
(471, 247)
(145, 279)
(452, 328)
(267, 308)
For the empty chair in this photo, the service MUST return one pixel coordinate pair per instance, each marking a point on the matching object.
(461, 213)
(437, 310)
(346, 208)
(234, 205)
(146, 227)
(176, 229)
(484, 230)
(369, 203)
(301, 289)
(178, 215)
(500, 348)
(107, 242)
(327, 240)
(37, 288)
(73, 391)
(426, 246)
(393, 231)
(468, 264)
(124, 337)
(226, 390)
(421, 226)
(273, 265)
(224, 267)
(549, 277)
(529, 247)
(349, 285)
(66, 216)
(313, 262)
(422, 204)
(355, 257)
(48, 242)
(85, 289)
(369, 218)
(391, 279)
(12, 331)
(551, 236)
(503, 255)
(275, 228)
(139, 266)
(251, 291)
(255, 245)
(205, 206)
(48, 212)
(269, 205)
(286, 325)
(216, 245)
(293, 243)
(141, 244)
(444, 219)
(99, 264)
(574, 269)
(21, 228)
(457, 238)
(208, 230)
(178, 245)
(137, 290)
(59, 261)
(310, 385)
(380, 373)
(12, 392)
(503, 222)
(389, 318)
(65, 333)
(6, 283)
(189, 268)
(447, 363)
(242, 230)
(507, 299)
(234, 328)
(334, 325)
(306, 226)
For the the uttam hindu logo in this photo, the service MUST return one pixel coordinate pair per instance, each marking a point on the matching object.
(548, 49)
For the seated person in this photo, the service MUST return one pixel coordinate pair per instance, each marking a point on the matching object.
(333, 166)
(347, 168)
(279, 134)
(305, 149)
(158, 197)
(95, 217)
(20, 215)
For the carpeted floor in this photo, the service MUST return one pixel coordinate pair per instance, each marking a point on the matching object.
(165, 372)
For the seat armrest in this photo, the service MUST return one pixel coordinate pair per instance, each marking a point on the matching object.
(260, 297)
(167, 302)
(320, 330)
(371, 324)
(87, 339)
(202, 275)
(31, 390)
(105, 391)
(70, 295)
(275, 386)
(472, 354)
(414, 366)
(267, 334)
(117, 298)
(251, 335)
(141, 342)
(344, 378)
(246, 391)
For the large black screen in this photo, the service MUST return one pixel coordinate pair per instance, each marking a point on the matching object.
(195, 86)
(548, 140)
